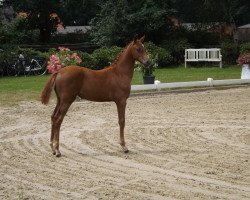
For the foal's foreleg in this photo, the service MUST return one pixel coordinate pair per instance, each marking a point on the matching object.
(121, 106)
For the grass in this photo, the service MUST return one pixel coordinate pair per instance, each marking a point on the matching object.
(16, 89)
(180, 74)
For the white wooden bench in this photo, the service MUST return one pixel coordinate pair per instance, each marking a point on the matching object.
(209, 55)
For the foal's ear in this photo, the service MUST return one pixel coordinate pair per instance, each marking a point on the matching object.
(142, 39)
(135, 38)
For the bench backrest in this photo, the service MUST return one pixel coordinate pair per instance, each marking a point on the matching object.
(203, 54)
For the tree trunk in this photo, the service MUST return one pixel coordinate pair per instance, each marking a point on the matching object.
(45, 35)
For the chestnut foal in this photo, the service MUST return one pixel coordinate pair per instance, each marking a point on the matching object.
(109, 84)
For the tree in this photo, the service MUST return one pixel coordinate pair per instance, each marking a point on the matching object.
(234, 12)
(38, 15)
(120, 20)
(79, 12)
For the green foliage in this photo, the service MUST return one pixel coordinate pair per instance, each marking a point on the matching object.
(15, 33)
(6, 57)
(109, 22)
(87, 60)
(245, 48)
(162, 56)
(100, 58)
(39, 15)
(229, 51)
(103, 57)
(159, 57)
(177, 48)
(79, 12)
(234, 12)
(120, 20)
(201, 38)
(70, 38)
(115, 22)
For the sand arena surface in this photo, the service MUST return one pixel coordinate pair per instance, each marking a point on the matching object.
(182, 146)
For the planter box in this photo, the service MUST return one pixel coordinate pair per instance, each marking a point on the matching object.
(149, 79)
(245, 72)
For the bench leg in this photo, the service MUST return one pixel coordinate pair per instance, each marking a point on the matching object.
(220, 64)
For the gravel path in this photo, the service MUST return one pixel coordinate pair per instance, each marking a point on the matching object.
(182, 146)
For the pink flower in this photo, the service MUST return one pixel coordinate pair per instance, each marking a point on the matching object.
(59, 67)
(64, 57)
(78, 59)
(244, 59)
(54, 58)
(68, 57)
(51, 69)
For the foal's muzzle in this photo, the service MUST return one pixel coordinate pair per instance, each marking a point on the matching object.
(147, 64)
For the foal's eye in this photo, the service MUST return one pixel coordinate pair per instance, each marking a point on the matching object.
(139, 49)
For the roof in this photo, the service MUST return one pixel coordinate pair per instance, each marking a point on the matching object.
(197, 26)
(73, 29)
(245, 26)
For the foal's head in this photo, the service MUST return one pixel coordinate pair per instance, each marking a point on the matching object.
(139, 52)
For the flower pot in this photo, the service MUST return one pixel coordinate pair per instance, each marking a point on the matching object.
(149, 79)
(245, 71)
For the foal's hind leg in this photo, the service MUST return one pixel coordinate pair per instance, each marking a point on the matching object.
(121, 106)
(52, 129)
(56, 124)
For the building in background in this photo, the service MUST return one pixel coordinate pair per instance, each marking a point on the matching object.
(243, 33)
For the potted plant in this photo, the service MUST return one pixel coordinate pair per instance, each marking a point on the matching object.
(148, 77)
(147, 72)
(244, 63)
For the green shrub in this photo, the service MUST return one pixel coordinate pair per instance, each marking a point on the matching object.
(114, 52)
(103, 57)
(8, 55)
(15, 33)
(177, 48)
(76, 37)
(202, 38)
(100, 57)
(229, 51)
(164, 57)
(87, 60)
(245, 48)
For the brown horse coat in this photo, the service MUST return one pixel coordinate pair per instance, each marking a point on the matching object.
(109, 84)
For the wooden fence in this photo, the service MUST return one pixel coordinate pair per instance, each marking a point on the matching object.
(88, 47)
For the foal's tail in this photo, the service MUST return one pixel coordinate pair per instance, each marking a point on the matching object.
(45, 95)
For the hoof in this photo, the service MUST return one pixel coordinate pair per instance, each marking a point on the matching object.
(58, 153)
(52, 148)
(125, 149)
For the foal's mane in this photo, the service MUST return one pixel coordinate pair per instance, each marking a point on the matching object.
(120, 54)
